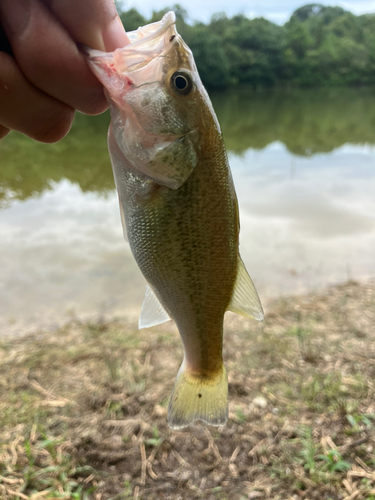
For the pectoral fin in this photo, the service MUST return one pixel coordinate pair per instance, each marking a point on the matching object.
(152, 312)
(245, 300)
(123, 221)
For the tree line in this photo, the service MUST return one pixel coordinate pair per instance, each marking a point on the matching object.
(319, 46)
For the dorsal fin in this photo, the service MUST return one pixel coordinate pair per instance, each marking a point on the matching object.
(152, 312)
(245, 300)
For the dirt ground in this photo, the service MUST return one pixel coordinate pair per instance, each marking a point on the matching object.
(83, 409)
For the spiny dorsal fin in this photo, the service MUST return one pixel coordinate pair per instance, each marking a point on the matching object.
(152, 312)
(245, 300)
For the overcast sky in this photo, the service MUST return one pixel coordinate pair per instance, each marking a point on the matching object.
(277, 11)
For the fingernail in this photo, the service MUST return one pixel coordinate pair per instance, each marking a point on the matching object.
(114, 37)
(15, 15)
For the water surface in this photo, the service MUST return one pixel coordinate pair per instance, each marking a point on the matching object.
(304, 167)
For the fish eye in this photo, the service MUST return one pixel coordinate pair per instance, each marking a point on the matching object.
(182, 82)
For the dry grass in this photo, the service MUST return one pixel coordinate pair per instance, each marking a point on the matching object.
(83, 410)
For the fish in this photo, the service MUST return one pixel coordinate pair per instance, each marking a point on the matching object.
(178, 208)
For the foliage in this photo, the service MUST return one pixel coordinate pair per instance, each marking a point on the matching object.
(320, 467)
(318, 46)
(29, 168)
(214, 65)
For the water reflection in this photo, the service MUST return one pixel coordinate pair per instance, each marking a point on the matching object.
(307, 222)
(63, 254)
(307, 122)
(28, 168)
(304, 168)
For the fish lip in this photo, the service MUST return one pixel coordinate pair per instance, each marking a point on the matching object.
(161, 27)
(147, 43)
(136, 38)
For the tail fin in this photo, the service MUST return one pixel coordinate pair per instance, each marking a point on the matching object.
(197, 397)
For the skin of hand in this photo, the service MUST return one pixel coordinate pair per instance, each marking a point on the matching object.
(44, 77)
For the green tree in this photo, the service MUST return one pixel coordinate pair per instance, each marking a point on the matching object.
(254, 49)
(210, 58)
(346, 26)
(319, 46)
(317, 10)
(298, 38)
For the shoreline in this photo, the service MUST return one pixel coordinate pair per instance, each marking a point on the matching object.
(19, 329)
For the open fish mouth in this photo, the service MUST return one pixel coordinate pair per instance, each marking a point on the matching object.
(150, 37)
(155, 137)
(164, 158)
(146, 43)
(131, 76)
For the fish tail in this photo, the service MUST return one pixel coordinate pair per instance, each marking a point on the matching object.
(198, 397)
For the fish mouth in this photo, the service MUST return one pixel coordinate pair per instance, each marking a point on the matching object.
(147, 34)
(146, 43)
(150, 146)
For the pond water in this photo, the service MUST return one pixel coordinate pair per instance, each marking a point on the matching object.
(304, 167)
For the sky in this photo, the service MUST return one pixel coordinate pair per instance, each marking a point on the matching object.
(274, 10)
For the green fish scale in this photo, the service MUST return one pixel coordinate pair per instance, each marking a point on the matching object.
(185, 242)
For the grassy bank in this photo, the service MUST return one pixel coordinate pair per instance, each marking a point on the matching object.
(83, 409)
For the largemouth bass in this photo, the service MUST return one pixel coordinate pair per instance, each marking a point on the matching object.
(178, 207)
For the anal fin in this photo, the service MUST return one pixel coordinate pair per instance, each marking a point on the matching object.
(245, 300)
(152, 312)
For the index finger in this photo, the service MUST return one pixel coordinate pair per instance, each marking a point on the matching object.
(94, 23)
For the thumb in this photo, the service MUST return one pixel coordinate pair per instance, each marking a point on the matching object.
(94, 23)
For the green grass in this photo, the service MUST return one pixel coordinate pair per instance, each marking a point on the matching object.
(47, 469)
(81, 406)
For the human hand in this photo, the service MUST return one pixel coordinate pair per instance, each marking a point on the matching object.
(47, 78)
